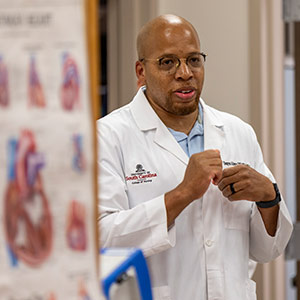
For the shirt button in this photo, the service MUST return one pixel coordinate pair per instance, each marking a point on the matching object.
(209, 243)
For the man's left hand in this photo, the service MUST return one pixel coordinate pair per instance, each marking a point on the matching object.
(246, 184)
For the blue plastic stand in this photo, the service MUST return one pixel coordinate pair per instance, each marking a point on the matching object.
(133, 258)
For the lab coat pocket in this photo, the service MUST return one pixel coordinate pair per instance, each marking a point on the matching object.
(161, 293)
(236, 214)
(251, 289)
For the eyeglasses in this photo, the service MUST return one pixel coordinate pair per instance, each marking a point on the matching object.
(170, 63)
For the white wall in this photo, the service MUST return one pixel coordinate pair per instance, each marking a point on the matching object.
(125, 18)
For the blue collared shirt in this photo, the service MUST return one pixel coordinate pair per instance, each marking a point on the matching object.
(194, 142)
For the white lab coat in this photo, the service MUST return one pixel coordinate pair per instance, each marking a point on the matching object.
(206, 253)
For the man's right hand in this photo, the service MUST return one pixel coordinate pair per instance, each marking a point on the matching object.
(203, 168)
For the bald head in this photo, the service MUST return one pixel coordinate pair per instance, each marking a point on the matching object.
(168, 47)
(162, 27)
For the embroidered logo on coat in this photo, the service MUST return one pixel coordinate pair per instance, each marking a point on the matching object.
(140, 175)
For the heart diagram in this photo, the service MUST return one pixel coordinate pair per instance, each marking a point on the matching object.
(27, 217)
(70, 84)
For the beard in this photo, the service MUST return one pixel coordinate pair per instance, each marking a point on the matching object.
(173, 106)
(182, 109)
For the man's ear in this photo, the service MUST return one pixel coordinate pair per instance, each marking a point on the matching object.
(140, 74)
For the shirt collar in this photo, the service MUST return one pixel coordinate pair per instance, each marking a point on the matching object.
(196, 130)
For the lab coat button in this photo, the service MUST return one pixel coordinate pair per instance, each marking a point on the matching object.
(209, 243)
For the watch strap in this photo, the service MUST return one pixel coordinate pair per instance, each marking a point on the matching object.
(267, 204)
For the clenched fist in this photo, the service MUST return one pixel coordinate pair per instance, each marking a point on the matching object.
(203, 168)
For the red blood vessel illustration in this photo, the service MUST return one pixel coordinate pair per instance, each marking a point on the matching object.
(35, 90)
(27, 217)
(76, 227)
(4, 94)
(78, 161)
(70, 84)
(83, 294)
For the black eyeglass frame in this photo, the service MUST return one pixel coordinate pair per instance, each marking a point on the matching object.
(204, 55)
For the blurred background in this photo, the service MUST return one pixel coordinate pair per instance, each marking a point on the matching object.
(252, 71)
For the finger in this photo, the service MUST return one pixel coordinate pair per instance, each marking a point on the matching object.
(216, 175)
(212, 153)
(237, 196)
(216, 179)
(243, 191)
(212, 161)
(227, 191)
(216, 162)
(229, 179)
(236, 187)
(216, 151)
(231, 170)
(208, 159)
(222, 184)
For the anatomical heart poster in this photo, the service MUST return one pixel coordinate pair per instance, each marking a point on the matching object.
(47, 198)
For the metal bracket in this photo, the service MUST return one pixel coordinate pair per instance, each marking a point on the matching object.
(291, 10)
(293, 248)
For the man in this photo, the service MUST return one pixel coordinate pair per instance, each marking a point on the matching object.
(183, 181)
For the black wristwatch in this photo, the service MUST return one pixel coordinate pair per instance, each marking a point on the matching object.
(267, 204)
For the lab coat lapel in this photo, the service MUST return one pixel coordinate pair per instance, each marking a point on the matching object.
(165, 139)
(147, 119)
(214, 131)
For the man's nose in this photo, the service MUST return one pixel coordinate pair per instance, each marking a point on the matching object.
(183, 71)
